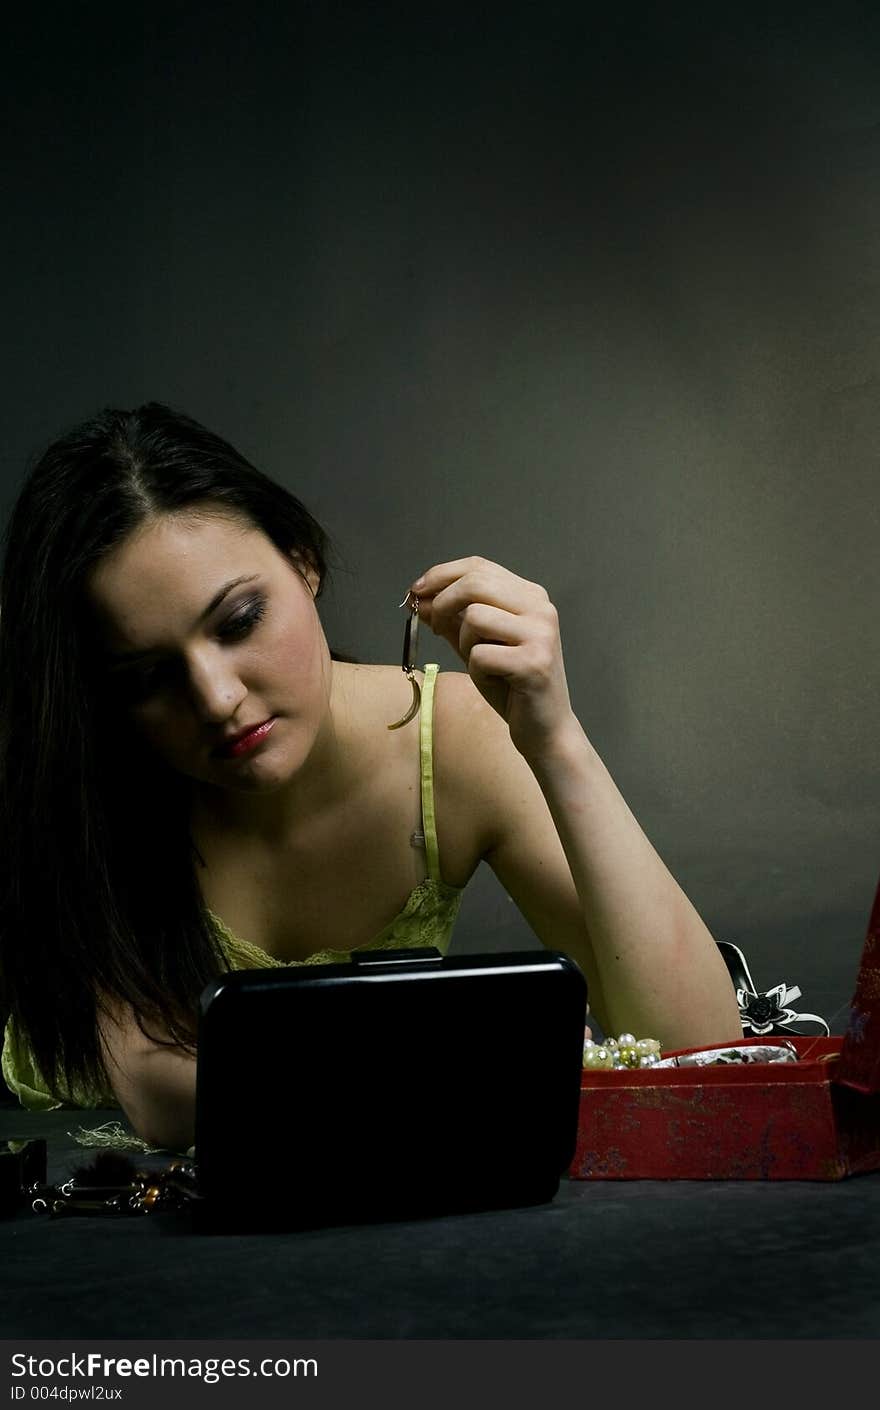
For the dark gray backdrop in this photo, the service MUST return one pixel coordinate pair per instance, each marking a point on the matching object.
(594, 296)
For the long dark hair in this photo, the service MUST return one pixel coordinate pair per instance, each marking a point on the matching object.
(99, 900)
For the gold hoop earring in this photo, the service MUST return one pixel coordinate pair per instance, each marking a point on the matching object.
(410, 642)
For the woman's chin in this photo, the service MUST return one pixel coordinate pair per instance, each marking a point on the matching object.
(255, 775)
(265, 771)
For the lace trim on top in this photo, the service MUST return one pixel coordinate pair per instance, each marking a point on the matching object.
(426, 919)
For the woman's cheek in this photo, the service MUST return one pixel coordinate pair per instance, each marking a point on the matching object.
(297, 654)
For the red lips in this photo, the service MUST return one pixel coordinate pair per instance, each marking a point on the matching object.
(245, 740)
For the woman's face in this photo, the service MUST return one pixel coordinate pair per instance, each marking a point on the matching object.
(213, 647)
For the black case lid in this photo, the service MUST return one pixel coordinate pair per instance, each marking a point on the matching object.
(388, 1086)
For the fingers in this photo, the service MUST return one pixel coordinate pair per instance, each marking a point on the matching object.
(506, 630)
(527, 667)
(535, 633)
(480, 622)
(449, 590)
(475, 580)
(442, 574)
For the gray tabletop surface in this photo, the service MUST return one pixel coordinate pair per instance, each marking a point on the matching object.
(604, 1259)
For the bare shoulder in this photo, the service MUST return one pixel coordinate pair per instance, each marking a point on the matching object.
(469, 744)
(478, 766)
(368, 685)
(463, 721)
(488, 781)
(464, 716)
(458, 703)
(482, 783)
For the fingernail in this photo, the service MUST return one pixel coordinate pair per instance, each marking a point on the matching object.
(419, 583)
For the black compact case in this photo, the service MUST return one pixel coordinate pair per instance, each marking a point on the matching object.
(399, 1085)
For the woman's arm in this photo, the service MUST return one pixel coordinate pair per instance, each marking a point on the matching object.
(560, 837)
(155, 1085)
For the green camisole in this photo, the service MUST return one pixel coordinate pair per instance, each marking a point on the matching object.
(427, 919)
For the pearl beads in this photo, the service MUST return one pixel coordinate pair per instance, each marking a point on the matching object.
(617, 1054)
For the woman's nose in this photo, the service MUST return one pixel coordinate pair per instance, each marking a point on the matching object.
(216, 690)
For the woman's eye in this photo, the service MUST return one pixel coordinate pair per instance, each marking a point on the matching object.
(137, 685)
(243, 621)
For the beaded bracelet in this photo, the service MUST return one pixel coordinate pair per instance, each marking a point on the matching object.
(625, 1051)
(628, 1052)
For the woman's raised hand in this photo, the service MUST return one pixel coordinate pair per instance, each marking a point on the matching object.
(506, 631)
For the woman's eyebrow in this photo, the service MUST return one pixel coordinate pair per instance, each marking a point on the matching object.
(124, 658)
(219, 596)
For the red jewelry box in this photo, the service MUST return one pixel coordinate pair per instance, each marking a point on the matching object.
(816, 1119)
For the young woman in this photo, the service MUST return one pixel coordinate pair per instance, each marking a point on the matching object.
(189, 780)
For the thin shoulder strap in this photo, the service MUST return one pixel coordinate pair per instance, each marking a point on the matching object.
(426, 769)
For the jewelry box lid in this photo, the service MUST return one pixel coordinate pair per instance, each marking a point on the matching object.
(859, 1064)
